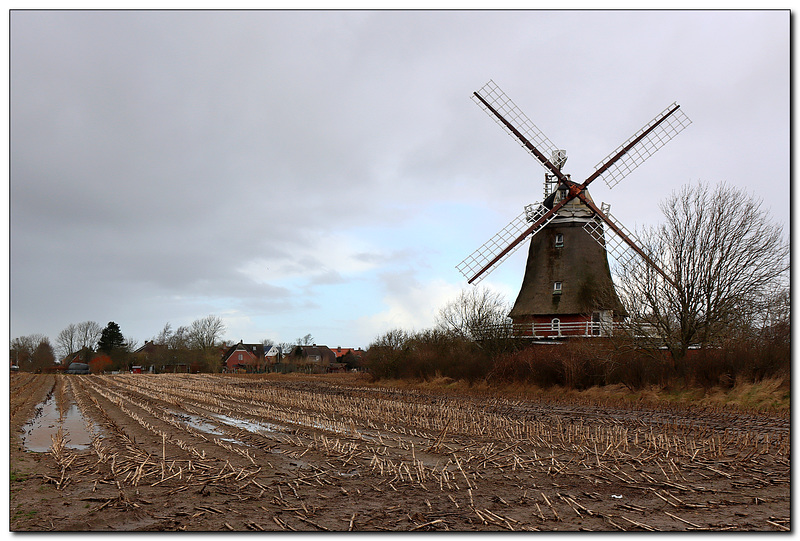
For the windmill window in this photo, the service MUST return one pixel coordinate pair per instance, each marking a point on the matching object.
(556, 288)
(559, 240)
(555, 325)
(240, 356)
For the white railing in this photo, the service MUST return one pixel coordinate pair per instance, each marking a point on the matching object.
(582, 329)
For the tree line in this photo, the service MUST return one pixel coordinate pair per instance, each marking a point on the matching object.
(195, 347)
(106, 348)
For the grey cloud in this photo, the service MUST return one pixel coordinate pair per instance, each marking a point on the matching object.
(156, 154)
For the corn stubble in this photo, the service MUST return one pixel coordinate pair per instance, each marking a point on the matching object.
(488, 464)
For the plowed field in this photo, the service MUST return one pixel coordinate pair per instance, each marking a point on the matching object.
(213, 453)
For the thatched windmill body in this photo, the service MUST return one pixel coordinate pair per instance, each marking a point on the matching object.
(567, 289)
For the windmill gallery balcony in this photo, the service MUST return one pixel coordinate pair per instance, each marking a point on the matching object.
(559, 328)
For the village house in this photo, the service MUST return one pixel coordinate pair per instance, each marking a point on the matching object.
(77, 357)
(347, 359)
(253, 358)
(315, 359)
(160, 358)
(273, 355)
(341, 352)
(150, 353)
(241, 357)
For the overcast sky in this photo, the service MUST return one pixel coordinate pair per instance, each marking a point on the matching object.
(323, 172)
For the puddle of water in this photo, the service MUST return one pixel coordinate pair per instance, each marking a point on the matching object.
(46, 422)
(235, 441)
(200, 424)
(251, 426)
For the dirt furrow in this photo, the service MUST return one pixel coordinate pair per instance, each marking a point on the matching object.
(213, 453)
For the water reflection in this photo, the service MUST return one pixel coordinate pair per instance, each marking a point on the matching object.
(45, 423)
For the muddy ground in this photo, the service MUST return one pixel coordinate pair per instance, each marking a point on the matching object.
(214, 453)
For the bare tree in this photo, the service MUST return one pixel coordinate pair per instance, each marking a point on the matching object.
(22, 350)
(204, 334)
(777, 312)
(180, 338)
(477, 313)
(727, 260)
(385, 354)
(78, 336)
(177, 339)
(67, 341)
(88, 334)
(171, 347)
(163, 337)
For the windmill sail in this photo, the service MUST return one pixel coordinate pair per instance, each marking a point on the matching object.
(622, 244)
(666, 125)
(474, 267)
(505, 112)
(614, 245)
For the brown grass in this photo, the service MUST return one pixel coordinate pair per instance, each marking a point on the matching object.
(767, 395)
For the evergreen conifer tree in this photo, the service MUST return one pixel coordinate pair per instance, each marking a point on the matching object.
(111, 339)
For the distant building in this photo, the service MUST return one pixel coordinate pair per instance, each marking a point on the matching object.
(315, 359)
(249, 358)
(161, 358)
(347, 359)
(273, 355)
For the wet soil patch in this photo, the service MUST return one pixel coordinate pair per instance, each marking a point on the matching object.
(211, 453)
(38, 432)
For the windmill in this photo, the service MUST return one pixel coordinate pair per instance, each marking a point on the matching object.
(567, 288)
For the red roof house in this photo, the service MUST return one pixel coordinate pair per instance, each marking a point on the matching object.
(247, 357)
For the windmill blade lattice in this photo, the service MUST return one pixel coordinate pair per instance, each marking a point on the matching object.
(635, 156)
(508, 109)
(615, 246)
(477, 261)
